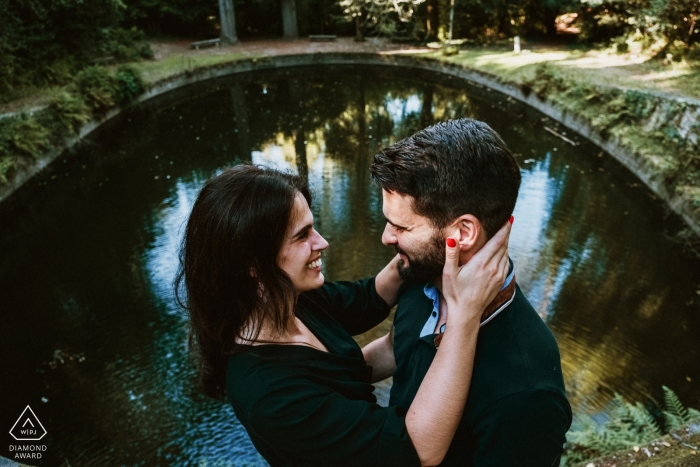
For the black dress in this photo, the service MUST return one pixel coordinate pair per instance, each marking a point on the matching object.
(305, 407)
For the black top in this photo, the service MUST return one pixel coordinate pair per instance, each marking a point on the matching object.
(517, 413)
(305, 407)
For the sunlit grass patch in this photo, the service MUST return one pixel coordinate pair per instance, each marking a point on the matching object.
(154, 71)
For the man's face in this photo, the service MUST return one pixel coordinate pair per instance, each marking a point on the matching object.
(420, 245)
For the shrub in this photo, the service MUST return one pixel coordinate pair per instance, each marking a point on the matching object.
(69, 110)
(129, 84)
(23, 135)
(7, 165)
(97, 87)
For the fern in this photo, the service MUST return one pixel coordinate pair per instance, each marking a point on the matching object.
(629, 425)
(675, 413)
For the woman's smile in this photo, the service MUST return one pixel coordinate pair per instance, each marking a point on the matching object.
(315, 264)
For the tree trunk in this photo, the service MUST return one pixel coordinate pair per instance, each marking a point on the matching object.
(358, 29)
(289, 19)
(228, 22)
(433, 20)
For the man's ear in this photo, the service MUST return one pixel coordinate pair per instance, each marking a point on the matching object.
(470, 231)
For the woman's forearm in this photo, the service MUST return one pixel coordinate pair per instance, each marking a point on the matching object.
(388, 282)
(438, 406)
(379, 354)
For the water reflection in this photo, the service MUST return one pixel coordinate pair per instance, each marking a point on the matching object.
(89, 251)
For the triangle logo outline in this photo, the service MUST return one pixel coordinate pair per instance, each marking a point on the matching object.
(23, 416)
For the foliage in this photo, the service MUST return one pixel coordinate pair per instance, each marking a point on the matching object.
(94, 91)
(129, 84)
(7, 163)
(70, 111)
(676, 22)
(46, 43)
(380, 16)
(629, 425)
(675, 413)
(24, 135)
(97, 87)
(173, 17)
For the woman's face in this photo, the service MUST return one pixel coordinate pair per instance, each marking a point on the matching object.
(300, 256)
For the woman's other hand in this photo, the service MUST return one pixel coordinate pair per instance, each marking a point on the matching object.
(468, 289)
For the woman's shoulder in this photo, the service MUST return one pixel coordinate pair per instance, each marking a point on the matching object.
(250, 376)
(263, 368)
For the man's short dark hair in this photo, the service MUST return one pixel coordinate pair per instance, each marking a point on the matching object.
(450, 169)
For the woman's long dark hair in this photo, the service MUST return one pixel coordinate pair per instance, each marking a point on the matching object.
(228, 264)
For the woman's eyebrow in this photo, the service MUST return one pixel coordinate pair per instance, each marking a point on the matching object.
(303, 230)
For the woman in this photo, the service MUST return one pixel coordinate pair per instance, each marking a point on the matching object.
(272, 336)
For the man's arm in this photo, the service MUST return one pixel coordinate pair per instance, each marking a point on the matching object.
(527, 429)
(379, 354)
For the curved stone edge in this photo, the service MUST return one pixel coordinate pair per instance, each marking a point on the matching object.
(632, 161)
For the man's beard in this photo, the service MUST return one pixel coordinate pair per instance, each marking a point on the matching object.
(427, 265)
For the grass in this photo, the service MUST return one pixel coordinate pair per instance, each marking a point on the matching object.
(594, 67)
(174, 64)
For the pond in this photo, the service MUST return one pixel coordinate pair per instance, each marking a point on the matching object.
(95, 345)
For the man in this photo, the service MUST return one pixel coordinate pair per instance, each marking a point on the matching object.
(458, 179)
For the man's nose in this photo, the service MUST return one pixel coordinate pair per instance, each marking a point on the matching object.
(389, 235)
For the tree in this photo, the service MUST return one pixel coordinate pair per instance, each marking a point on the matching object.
(228, 22)
(289, 19)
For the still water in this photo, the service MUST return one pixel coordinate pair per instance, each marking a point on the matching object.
(93, 342)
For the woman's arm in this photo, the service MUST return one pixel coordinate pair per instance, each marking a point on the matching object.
(438, 406)
(388, 282)
(379, 354)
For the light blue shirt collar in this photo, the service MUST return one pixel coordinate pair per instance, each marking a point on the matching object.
(433, 294)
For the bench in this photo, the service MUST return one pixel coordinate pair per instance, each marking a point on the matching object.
(322, 38)
(207, 43)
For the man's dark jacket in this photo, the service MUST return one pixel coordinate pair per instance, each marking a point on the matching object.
(517, 413)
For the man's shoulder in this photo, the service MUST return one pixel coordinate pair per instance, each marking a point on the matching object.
(516, 354)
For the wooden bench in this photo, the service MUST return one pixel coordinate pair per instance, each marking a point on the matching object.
(207, 43)
(322, 38)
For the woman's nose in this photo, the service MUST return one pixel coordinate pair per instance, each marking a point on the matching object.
(320, 243)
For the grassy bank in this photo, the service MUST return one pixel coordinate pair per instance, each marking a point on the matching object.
(650, 107)
(26, 137)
